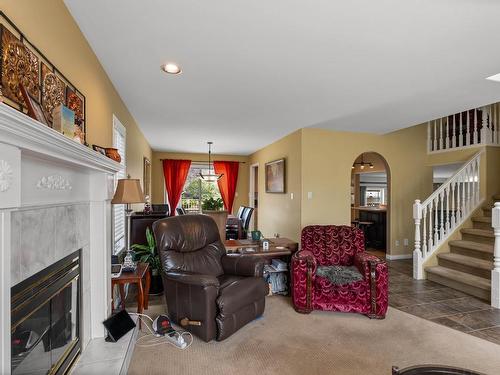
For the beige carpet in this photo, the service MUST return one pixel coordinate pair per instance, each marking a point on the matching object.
(285, 342)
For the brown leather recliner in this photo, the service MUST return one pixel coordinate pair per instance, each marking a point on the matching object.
(202, 283)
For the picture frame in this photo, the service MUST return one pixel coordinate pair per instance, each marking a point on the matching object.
(34, 108)
(146, 176)
(99, 149)
(275, 176)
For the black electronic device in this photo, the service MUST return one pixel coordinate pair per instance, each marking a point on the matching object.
(118, 325)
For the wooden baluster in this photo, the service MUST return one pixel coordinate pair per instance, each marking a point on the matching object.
(474, 133)
(435, 147)
(441, 229)
(495, 273)
(467, 135)
(447, 142)
(460, 132)
(458, 212)
(424, 230)
(478, 181)
(429, 139)
(484, 123)
(453, 219)
(453, 137)
(436, 221)
(429, 240)
(441, 133)
(462, 205)
(447, 210)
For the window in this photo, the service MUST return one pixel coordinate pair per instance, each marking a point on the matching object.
(196, 190)
(119, 219)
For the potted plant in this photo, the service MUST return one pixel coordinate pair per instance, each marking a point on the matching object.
(147, 254)
(212, 204)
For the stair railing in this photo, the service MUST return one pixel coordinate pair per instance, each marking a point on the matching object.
(495, 273)
(475, 127)
(445, 210)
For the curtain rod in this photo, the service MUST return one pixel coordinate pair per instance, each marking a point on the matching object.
(204, 161)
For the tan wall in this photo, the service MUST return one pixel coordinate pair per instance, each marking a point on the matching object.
(51, 28)
(242, 186)
(278, 213)
(327, 158)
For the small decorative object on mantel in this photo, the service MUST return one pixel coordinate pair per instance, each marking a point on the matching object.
(22, 64)
(99, 149)
(63, 120)
(112, 153)
(34, 109)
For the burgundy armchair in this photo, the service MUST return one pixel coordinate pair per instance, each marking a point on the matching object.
(328, 245)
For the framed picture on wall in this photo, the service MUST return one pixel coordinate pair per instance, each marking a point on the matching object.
(146, 177)
(275, 176)
(34, 109)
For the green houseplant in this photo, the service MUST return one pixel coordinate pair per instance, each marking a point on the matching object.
(212, 204)
(147, 254)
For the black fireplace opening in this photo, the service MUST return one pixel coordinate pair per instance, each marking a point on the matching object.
(45, 319)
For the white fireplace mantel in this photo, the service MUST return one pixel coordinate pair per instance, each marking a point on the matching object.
(44, 174)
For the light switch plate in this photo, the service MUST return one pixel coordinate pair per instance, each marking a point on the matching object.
(309, 195)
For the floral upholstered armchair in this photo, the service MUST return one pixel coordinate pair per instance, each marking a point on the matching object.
(330, 245)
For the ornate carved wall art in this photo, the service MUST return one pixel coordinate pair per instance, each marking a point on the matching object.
(53, 90)
(5, 176)
(19, 65)
(54, 182)
(22, 62)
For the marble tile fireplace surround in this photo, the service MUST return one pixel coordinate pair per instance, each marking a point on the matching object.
(54, 199)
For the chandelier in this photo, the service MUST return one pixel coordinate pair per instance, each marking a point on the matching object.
(362, 164)
(210, 177)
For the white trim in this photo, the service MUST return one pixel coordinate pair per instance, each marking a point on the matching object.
(251, 192)
(21, 131)
(398, 257)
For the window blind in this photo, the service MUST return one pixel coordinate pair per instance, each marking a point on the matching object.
(119, 219)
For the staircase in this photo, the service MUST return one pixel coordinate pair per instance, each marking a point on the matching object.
(467, 267)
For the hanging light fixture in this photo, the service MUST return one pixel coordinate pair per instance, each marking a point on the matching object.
(210, 177)
(362, 164)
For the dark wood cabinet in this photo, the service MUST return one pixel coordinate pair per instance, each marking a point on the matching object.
(375, 233)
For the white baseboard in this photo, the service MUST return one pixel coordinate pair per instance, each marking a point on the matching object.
(398, 257)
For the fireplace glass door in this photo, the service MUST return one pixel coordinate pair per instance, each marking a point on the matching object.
(45, 333)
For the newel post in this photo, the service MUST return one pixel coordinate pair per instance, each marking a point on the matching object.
(495, 273)
(418, 272)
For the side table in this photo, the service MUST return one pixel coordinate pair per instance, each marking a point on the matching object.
(142, 278)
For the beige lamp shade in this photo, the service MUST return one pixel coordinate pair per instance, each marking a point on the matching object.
(128, 191)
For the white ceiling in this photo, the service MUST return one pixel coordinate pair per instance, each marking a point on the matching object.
(257, 70)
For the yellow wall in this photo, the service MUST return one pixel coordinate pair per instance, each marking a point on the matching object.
(242, 186)
(278, 213)
(327, 158)
(51, 28)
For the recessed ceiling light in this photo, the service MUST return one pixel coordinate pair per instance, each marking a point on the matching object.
(495, 78)
(171, 68)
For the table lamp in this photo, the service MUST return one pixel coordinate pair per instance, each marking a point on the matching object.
(128, 191)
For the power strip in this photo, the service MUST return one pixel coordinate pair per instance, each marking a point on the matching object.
(176, 339)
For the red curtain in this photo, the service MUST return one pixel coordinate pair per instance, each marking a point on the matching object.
(227, 183)
(175, 173)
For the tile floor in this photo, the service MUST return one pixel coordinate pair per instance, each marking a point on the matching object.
(441, 304)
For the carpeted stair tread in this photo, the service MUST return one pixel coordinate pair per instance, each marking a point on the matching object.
(478, 232)
(496, 197)
(486, 248)
(467, 261)
(460, 277)
(482, 219)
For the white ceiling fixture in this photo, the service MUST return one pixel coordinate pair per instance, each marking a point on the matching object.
(495, 78)
(370, 66)
(171, 68)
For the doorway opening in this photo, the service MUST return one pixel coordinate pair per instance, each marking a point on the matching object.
(370, 200)
(253, 196)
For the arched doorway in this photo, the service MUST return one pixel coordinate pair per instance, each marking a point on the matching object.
(370, 200)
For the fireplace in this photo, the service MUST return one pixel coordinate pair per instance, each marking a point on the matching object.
(45, 315)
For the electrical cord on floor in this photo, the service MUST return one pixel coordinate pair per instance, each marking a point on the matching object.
(155, 339)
